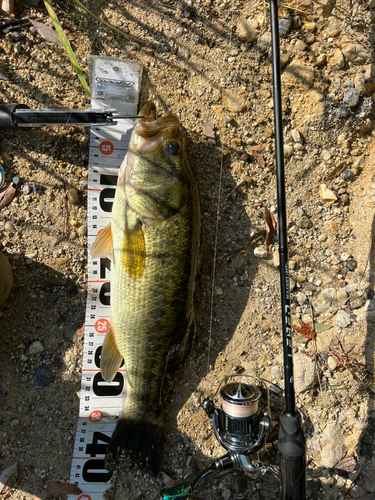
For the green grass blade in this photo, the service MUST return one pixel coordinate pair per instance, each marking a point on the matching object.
(67, 46)
(127, 35)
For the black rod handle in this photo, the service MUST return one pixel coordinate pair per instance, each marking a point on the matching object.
(7, 121)
(292, 458)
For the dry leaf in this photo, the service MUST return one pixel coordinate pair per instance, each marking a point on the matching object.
(168, 481)
(209, 133)
(47, 33)
(80, 330)
(256, 152)
(337, 171)
(56, 488)
(270, 228)
(306, 331)
(69, 35)
(7, 194)
(7, 479)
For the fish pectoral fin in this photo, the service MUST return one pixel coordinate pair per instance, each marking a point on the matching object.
(103, 245)
(111, 358)
(134, 251)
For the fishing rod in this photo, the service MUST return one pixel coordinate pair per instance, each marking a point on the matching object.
(291, 443)
(238, 424)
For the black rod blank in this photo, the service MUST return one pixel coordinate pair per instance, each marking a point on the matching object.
(291, 444)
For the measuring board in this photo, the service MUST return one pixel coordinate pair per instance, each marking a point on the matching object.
(114, 85)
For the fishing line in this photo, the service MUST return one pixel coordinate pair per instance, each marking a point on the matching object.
(214, 266)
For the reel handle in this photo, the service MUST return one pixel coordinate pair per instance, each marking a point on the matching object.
(179, 492)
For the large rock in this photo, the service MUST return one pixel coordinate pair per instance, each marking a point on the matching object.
(304, 372)
(6, 279)
(332, 446)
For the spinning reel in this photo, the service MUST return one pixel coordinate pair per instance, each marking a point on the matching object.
(241, 429)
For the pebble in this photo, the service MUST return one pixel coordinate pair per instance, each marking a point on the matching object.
(341, 296)
(304, 223)
(327, 194)
(332, 363)
(276, 258)
(336, 59)
(72, 195)
(344, 256)
(351, 97)
(296, 135)
(44, 376)
(351, 265)
(9, 227)
(26, 189)
(342, 319)
(234, 102)
(226, 494)
(264, 42)
(83, 230)
(288, 150)
(261, 253)
(301, 298)
(14, 422)
(36, 347)
(311, 27)
(247, 30)
(355, 53)
(285, 25)
(346, 175)
(73, 223)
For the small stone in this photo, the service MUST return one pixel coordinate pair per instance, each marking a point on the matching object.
(355, 53)
(342, 319)
(344, 256)
(345, 199)
(284, 59)
(288, 150)
(247, 30)
(296, 135)
(83, 230)
(351, 97)
(72, 195)
(276, 259)
(336, 59)
(299, 74)
(347, 175)
(304, 223)
(300, 278)
(44, 376)
(327, 194)
(73, 223)
(285, 25)
(300, 45)
(357, 303)
(332, 445)
(332, 363)
(311, 27)
(14, 422)
(351, 265)
(36, 347)
(218, 291)
(261, 253)
(264, 42)
(9, 227)
(26, 189)
(341, 296)
(268, 132)
(23, 358)
(234, 102)
(226, 494)
(301, 298)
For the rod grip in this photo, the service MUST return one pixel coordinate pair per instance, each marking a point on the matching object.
(292, 458)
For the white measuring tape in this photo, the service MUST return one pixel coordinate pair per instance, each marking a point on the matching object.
(114, 84)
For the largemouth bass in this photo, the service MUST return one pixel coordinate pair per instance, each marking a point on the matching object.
(152, 241)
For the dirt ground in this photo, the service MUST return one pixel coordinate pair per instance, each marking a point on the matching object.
(203, 65)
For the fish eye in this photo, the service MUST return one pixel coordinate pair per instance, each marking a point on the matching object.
(173, 148)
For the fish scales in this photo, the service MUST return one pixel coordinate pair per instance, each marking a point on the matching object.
(153, 242)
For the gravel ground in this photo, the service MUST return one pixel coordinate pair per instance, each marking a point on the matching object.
(208, 61)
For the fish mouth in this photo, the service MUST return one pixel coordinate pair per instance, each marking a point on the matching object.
(150, 132)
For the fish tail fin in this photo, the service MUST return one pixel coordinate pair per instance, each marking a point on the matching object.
(136, 442)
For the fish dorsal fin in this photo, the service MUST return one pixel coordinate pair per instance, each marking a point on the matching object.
(103, 245)
(134, 251)
(111, 358)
